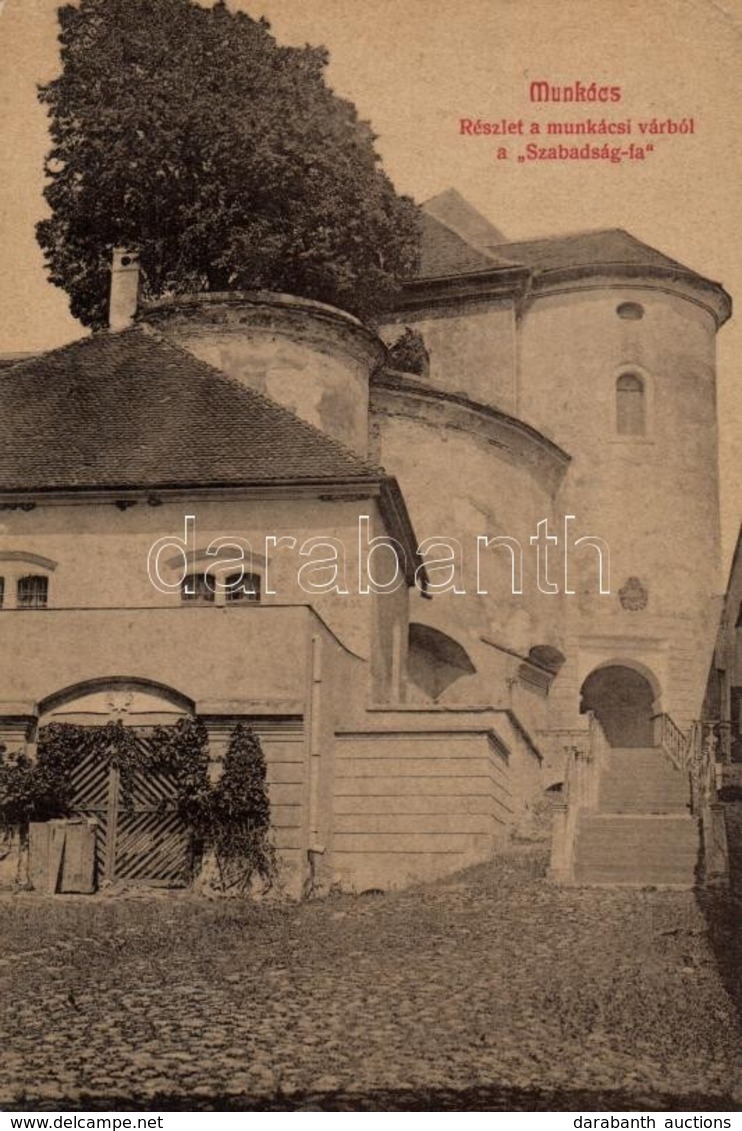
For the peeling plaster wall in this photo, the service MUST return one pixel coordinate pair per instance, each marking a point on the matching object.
(310, 358)
(471, 348)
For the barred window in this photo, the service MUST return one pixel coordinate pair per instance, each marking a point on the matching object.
(197, 587)
(33, 591)
(248, 590)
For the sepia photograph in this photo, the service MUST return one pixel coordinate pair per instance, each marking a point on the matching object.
(370, 560)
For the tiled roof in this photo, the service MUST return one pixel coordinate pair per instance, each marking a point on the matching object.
(458, 240)
(612, 246)
(444, 253)
(448, 252)
(453, 210)
(132, 410)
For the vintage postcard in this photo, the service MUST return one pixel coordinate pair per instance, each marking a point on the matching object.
(370, 586)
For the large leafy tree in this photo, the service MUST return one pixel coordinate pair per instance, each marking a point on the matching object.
(223, 157)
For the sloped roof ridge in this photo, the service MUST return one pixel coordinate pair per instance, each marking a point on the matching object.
(447, 260)
(568, 237)
(461, 223)
(32, 359)
(251, 394)
(573, 234)
(482, 249)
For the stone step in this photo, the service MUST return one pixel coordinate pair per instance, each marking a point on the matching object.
(639, 824)
(617, 837)
(635, 877)
(636, 850)
(642, 780)
(675, 787)
(653, 758)
(644, 789)
(630, 768)
(644, 804)
(640, 751)
(645, 808)
(651, 769)
(633, 788)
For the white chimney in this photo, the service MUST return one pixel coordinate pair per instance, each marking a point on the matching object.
(124, 288)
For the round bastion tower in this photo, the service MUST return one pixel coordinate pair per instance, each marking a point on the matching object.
(566, 376)
(567, 381)
(617, 364)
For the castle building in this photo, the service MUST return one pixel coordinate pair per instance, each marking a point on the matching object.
(480, 540)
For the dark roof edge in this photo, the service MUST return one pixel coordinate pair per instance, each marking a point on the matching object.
(496, 282)
(7, 371)
(517, 279)
(718, 301)
(342, 485)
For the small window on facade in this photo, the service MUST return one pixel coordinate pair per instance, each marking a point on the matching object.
(197, 587)
(630, 407)
(249, 590)
(630, 311)
(33, 592)
(2, 591)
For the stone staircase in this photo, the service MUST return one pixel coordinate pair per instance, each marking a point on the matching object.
(642, 832)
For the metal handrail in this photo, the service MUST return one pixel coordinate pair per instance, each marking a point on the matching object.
(673, 741)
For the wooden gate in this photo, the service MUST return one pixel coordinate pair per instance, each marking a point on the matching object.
(142, 842)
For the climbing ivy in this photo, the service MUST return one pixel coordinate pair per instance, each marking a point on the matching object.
(239, 815)
(182, 753)
(41, 790)
(17, 791)
(230, 816)
(62, 746)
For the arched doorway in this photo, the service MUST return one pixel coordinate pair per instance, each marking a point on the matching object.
(140, 836)
(622, 700)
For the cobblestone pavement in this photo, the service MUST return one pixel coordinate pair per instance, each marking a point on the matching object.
(490, 991)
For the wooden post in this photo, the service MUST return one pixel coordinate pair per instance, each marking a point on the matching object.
(57, 841)
(38, 855)
(114, 783)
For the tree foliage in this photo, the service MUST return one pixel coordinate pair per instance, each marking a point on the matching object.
(229, 817)
(224, 158)
(42, 789)
(182, 752)
(409, 354)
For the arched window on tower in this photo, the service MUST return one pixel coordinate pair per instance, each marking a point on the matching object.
(630, 405)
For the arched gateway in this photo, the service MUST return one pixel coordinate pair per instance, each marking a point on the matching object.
(623, 701)
(139, 834)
